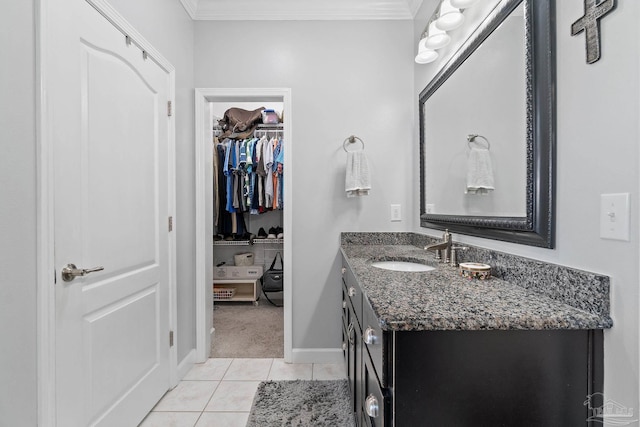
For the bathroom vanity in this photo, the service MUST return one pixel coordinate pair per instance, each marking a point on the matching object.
(435, 349)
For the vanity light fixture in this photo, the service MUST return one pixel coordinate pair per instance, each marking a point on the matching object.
(463, 4)
(436, 37)
(449, 17)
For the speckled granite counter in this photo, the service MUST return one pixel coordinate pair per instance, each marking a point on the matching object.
(442, 300)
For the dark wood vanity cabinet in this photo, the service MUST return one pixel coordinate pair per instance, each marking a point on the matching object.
(362, 348)
(466, 377)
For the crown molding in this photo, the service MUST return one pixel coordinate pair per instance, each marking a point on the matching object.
(191, 6)
(414, 5)
(252, 10)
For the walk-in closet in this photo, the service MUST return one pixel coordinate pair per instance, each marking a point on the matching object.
(248, 145)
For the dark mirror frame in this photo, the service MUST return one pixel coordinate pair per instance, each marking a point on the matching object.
(537, 228)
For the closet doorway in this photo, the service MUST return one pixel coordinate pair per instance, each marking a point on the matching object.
(209, 104)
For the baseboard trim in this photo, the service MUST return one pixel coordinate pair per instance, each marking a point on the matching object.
(316, 355)
(186, 364)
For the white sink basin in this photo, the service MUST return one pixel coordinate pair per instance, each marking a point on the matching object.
(402, 266)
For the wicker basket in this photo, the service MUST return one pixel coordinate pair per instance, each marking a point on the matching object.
(223, 293)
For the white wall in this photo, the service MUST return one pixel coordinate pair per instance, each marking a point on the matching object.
(597, 152)
(17, 215)
(346, 78)
(168, 27)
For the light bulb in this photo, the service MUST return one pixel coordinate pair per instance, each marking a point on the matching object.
(436, 38)
(449, 17)
(425, 55)
(463, 4)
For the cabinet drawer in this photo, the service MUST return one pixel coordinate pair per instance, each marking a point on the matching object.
(354, 293)
(373, 340)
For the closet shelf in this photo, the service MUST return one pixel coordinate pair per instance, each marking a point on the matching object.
(231, 243)
(267, 126)
(247, 242)
(268, 241)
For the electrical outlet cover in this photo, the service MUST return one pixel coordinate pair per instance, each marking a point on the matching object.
(396, 213)
(614, 216)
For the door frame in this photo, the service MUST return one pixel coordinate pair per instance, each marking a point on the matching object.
(204, 217)
(45, 298)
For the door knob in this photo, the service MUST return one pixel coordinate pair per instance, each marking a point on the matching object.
(370, 336)
(70, 272)
(371, 406)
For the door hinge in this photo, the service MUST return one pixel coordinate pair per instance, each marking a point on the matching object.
(169, 109)
(170, 338)
(170, 223)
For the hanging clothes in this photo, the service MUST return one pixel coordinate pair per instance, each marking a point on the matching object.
(248, 178)
(267, 156)
(279, 160)
(215, 162)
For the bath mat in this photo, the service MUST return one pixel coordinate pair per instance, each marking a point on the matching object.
(302, 403)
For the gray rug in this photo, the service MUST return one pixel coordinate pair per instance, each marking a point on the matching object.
(302, 403)
(247, 331)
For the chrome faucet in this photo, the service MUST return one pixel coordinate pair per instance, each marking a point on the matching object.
(441, 248)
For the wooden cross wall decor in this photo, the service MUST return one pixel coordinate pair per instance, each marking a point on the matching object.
(590, 24)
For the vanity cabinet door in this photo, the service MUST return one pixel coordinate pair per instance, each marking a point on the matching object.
(354, 362)
(376, 401)
(492, 378)
(352, 351)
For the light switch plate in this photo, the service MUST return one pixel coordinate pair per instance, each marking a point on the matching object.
(614, 216)
(396, 213)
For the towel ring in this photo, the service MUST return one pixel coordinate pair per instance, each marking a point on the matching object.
(351, 140)
(472, 138)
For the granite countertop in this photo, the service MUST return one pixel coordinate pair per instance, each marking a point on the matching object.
(443, 300)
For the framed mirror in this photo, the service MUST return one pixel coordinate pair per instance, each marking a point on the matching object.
(487, 130)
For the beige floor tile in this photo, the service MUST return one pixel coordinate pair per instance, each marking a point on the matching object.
(211, 370)
(233, 396)
(170, 419)
(329, 371)
(290, 371)
(223, 419)
(248, 370)
(187, 396)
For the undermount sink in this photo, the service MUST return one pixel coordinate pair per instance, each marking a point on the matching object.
(402, 266)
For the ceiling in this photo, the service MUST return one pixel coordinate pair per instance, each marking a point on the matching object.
(243, 10)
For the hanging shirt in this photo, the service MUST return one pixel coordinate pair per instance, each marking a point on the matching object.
(279, 170)
(228, 173)
(267, 156)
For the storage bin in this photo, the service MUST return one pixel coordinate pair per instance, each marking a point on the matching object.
(250, 272)
(270, 117)
(243, 260)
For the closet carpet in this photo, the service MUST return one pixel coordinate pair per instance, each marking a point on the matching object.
(244, 330)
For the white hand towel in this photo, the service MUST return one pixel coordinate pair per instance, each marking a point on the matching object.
(358, 179)
(479, 171)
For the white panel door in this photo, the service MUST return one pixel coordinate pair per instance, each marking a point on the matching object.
(110, 134)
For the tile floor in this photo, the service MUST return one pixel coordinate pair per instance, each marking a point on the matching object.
(219, 392)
